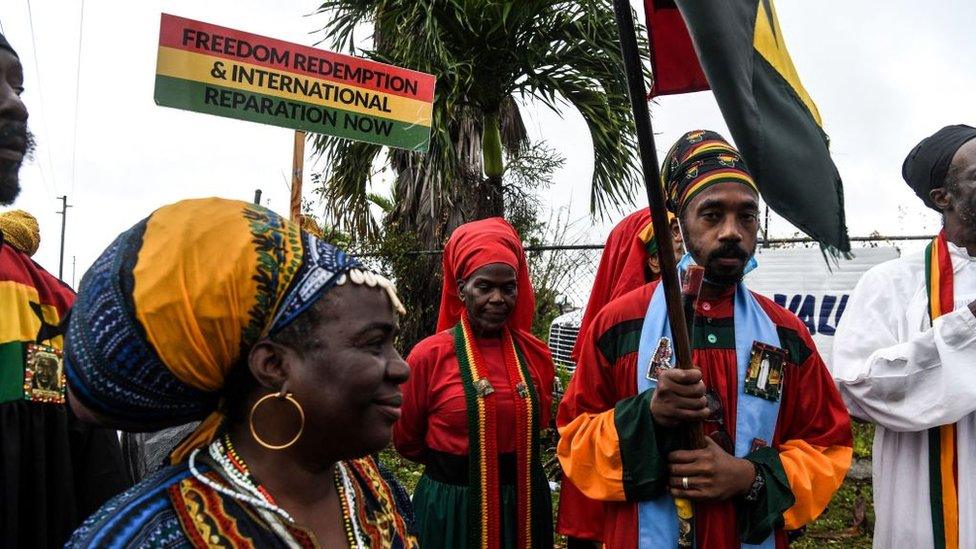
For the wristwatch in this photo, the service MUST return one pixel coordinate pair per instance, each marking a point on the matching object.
(757, 485)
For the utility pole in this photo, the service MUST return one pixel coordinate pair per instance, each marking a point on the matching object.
(64, 220)
(74, 263)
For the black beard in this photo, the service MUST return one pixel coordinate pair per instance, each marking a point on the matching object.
(721, 276)
(9, 181)
(724, 279)
(10, 135)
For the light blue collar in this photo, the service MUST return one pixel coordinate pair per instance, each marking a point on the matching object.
(687, 261)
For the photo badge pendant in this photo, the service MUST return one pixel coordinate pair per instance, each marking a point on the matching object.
(661, 359)
(44, 374)
(764, 376)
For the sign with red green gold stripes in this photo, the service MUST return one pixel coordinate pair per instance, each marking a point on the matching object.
(215, 70)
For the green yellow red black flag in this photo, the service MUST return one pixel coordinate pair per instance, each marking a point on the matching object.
(773, 120)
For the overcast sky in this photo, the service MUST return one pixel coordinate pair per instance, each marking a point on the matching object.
(883, 75)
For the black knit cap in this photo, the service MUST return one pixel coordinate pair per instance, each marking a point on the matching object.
(925, 168)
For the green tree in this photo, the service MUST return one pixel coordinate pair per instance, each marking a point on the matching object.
(487, 56)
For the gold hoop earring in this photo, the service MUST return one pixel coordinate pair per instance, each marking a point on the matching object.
(301, 414)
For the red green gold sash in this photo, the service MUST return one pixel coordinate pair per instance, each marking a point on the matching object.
(485, 493)
(943, 463)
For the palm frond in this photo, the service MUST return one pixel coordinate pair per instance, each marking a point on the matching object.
(343, 184)
(486, 55)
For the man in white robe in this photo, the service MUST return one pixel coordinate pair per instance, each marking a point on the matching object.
(908, 374)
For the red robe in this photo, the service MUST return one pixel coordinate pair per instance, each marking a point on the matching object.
(434, 410)
(623, 267)
(812, 437)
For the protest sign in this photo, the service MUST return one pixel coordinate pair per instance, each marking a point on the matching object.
(215, 70)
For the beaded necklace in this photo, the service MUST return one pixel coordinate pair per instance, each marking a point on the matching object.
(253, 500)
(347, 502)
(483, 484)
(223, 452)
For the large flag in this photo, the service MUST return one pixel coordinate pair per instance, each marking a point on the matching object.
(773, 120)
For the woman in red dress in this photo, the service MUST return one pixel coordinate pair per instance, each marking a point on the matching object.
(479, 392)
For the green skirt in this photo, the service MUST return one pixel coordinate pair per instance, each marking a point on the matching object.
(442, 512)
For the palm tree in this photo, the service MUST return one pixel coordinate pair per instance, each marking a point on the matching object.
(487, 55)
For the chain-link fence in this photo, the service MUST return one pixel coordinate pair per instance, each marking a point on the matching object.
(562, 276)
(567, 271)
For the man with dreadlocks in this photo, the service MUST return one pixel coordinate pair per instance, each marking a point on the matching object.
(777, 447)
(54, 470)
(905, 359)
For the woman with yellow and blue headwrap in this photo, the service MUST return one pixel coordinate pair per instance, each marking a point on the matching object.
(222, 310)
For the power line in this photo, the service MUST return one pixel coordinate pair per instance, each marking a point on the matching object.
(74, 138)
(40, 95)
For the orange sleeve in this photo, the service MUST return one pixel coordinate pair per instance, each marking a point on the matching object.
(609, 446)
(815, 449)
(588, 447)
(815, 473)
(589, 452)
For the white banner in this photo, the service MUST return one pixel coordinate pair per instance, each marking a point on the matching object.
(799, 279)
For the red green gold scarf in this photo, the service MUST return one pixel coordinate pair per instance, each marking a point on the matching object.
(484, 489)
(943, 463)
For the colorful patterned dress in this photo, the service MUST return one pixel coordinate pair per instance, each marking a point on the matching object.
(172, 508)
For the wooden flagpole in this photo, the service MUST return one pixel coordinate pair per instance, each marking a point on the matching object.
(662, 232)
(655, 198)
(655, 190)
(297, 169)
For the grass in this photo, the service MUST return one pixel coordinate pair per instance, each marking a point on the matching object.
(849, 518)
(847, 522)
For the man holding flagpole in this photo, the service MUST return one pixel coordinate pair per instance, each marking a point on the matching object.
(905, 359)
(771, 464)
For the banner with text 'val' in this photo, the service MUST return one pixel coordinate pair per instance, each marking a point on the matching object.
(215, 70)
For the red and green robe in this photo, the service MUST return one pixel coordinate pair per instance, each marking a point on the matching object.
(612, 451)
(433, 430)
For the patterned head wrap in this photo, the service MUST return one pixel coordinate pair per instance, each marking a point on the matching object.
(925, 168)
(645, 237)
(698, 160)
(21, 231)
(4, 45)
(177, 301)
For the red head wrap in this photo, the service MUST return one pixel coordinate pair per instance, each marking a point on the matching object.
(622, 266)
(474, 245)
